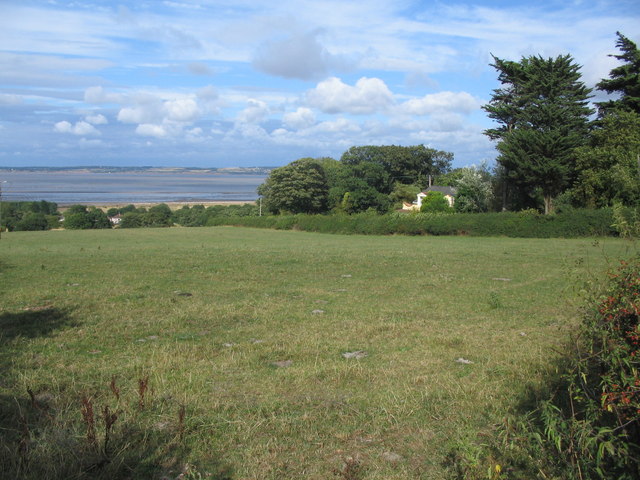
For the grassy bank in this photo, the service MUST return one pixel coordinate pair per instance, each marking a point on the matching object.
(226, 348)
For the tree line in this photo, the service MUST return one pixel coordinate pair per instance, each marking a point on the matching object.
(552, 152)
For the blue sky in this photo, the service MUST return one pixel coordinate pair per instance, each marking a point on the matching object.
(261, 83)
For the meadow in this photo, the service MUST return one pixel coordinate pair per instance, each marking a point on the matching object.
(256, 354)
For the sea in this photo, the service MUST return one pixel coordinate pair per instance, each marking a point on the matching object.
(92, 188)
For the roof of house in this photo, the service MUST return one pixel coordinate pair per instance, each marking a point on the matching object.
(444, 190)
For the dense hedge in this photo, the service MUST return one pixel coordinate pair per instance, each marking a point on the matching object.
(574, 223)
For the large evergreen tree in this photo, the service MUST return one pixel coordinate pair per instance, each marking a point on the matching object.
(623, 80)
(542, 111)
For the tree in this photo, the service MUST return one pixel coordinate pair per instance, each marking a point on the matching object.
(159, 216)
(624, 80)
(403, 192)
(542, 112)
(98, 218)
(78, 217)
(77, 221)
(475, 194)
(408, 165)
(359, 187)
(609, 168)
(299, 187)
(32, 221)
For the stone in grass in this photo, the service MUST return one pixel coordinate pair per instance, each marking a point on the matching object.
(391, 457)
(464, 361)
(501, 279)
(358, 354)
(317, 312)
(228, 344)
(346, 276)
(282, 363)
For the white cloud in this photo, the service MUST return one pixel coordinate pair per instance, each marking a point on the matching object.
(151, 130)
(369, 95)
(302, 118)
(97, 119)
(255, 112)
(461, 102)
(139, 114)
(181, 110)
(79, 128)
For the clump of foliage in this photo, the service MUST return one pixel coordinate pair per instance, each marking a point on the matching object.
(199, 216)
(28, 216)
(435, 202)
(80, 217)
(475, 194)
(157, 216)
(595, 424)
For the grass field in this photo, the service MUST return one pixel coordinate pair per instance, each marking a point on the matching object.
(223, 348)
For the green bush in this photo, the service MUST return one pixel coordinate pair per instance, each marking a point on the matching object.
(79, 217)
(20, 215)
(32, 221)
(603, 422)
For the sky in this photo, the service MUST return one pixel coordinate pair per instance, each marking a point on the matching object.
(223, 83)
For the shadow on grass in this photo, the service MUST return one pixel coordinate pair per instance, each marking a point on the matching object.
(38, 444)
(34, 322)
(44, 432)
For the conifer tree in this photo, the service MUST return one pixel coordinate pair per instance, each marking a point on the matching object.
(542, 111)
(624, 80)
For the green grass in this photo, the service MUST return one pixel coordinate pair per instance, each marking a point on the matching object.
(206, 312)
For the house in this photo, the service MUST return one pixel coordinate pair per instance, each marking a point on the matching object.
(115, 220)
(448, 192)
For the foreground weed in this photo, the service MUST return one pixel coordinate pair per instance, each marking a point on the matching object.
(51, 444)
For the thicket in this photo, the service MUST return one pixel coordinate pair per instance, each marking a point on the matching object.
(527, 224)
(23, 216)
(80, 217)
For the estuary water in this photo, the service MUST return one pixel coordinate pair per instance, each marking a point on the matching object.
(71, 187)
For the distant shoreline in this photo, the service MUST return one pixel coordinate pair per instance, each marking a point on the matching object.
(145, 169)
(172, 205)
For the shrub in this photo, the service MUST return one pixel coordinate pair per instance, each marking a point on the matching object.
(435, 202)
(32, 221)
(603, 424)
